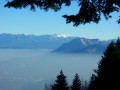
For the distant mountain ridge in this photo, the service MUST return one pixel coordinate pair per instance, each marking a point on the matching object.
(83, 45)
(60, 43)
(21, 41)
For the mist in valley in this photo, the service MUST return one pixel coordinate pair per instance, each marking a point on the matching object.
(31, 69)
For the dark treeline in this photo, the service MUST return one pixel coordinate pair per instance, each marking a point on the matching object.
(62, 84)
(105, 77)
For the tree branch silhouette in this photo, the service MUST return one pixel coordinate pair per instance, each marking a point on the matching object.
(90, 10)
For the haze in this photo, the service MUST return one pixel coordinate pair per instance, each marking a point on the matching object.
(31, 69)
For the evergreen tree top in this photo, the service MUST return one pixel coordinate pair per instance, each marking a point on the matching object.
(60, 82)
(118, 42)
(76, 85)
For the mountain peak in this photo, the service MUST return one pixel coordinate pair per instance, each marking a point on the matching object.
(62, 35)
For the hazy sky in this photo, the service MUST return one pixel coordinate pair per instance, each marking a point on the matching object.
(19, 21)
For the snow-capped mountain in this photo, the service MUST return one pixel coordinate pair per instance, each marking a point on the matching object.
(62, 35)
(83, 45)
(19, 41)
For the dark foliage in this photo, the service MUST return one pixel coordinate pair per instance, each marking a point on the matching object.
(107, 75)
(76, 85)
(92, 84)
(90, 10)
(42, 4)
(118, 43)
(60, 83)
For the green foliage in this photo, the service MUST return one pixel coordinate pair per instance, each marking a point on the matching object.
(42, 4)
(76, 85)
(60, 83)
(90, 10)
(108, 72)
(87, 13)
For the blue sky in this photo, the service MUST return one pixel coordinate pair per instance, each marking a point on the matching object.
(24, 21)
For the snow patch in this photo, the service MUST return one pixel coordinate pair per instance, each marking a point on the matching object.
(62, 35)
(83, 42)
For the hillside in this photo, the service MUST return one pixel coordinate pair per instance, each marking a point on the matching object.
(82, 45)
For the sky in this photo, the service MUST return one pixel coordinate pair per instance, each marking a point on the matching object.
(24, 21)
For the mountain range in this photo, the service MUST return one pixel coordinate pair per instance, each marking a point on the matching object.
(60, 43)
(21, 41)
(83, 45)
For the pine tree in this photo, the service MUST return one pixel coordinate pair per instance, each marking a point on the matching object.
(93, 84)
(76, 85)
(107, 75)
(60, 83)
(118, 43)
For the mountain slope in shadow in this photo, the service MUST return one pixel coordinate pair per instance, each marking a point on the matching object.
(82, 45)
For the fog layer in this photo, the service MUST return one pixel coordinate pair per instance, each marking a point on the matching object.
(31, 69)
